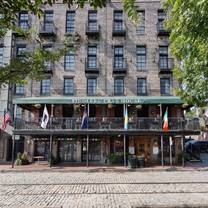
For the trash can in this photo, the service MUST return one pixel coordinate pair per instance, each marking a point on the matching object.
(132, 161)
(141, 161)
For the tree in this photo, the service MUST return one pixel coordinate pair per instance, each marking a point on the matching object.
(187, 21)
(32, 66)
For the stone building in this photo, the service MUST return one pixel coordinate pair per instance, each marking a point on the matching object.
(114, 65)
(5, 136)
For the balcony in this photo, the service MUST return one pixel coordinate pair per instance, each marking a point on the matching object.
(119, 29)
(108, 125)
(119, 65)
(161, 31)
(91, 65)
(92, 29)
(166, 65)
(47, 29)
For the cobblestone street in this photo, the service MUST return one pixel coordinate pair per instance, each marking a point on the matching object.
(104, 189)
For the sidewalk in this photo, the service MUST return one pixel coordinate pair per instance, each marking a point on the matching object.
(81, 168)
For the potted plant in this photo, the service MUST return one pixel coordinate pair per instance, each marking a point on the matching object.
(112, 158)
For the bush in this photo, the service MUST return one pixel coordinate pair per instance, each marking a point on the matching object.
(22, 159)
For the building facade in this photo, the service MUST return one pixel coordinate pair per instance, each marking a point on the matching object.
(113, 66)
(5, 136)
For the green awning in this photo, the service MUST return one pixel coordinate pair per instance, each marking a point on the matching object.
(99, 100)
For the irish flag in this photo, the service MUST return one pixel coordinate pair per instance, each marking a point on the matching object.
(165, 121)
(126, 119)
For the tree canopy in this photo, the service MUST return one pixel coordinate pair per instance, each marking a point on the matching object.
(32, 66)
(187, 21)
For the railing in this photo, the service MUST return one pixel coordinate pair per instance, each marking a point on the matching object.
(166, 64)
(47, 28)
(92, 28)
(111, 123)
(119, 28)
(119, 64)
(161, 30)
(91, 65)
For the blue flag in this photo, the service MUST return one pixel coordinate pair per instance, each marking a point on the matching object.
(84, 124)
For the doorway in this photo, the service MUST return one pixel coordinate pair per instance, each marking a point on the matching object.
(94, 149)
(67, 150)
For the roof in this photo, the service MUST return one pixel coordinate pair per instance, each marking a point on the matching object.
(99, 100)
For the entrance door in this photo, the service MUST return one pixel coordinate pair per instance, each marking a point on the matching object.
(42, 148)
(94, 150)
(67, 151)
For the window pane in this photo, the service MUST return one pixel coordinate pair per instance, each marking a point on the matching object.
(141, 27)
(142, 86)
(91, 86)
(69, 60)
(70, 18)
(68, 86)
(48, 16)
(92, 57)
(92, 15)
(19, 89)
(1, 56)
(45, 86)
(119, 86)
(141, 57)
(165, 86)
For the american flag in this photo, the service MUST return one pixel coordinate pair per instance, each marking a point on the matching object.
(6, 120)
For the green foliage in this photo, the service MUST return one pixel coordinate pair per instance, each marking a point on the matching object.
(22, 159)
(187, 21)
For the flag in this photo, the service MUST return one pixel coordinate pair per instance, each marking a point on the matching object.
(165, 121)
(6, 120)
(84, 123)
(45, 118)
(126, 119)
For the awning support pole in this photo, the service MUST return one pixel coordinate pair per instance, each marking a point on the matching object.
(161, 138)
(183, 152)
(51, 136)
(124, 138)
(87, 161)
(13, 136)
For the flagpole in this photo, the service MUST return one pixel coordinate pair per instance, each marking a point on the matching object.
(125, 110)
(87, 135)
(51, 136)
(161, 139)
(13, 136)
(170, 142)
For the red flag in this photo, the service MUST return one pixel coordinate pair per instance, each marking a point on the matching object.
(5, 121)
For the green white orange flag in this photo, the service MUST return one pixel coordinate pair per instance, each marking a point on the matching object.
(165, 121)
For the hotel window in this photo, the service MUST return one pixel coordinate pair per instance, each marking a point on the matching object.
(165, 86)
(118, 86)
(118, 21)
(45, 87)
(68, 86)
(24, 20)
(163, 57)
(20, 53)
(70, 19)
(119, 57)
(161, 18)
(92, 21)
(92, 57)
(1, 56)
(91, 86)
(142, 86)
(19, 89)
(69, 59)
(141, 26)
(19, 112)
(141, 58)
(48, 21)
(48, 64)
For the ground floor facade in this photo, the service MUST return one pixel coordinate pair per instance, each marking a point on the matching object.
(99, 150)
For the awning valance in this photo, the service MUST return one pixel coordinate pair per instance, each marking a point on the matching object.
(99, 100)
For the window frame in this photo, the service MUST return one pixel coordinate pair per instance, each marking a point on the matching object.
(48, 91)
(141, 64)
(70, 90)
(163, 91)
(142, 86)
(88, 91)
(140, 29)
(69, 21)
(24, 20)
(116, 86)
